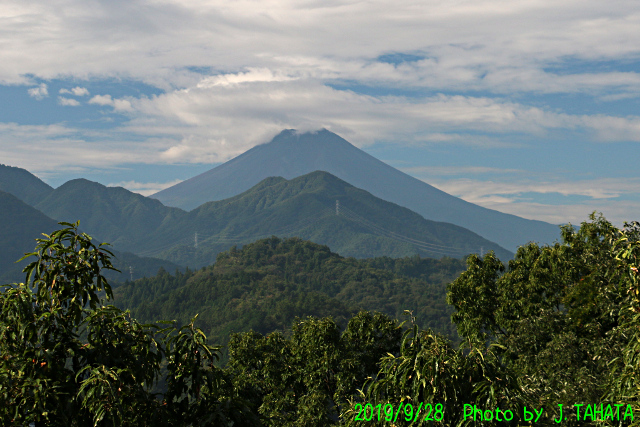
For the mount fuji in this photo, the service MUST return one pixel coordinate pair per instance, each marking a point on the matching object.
(291, 154)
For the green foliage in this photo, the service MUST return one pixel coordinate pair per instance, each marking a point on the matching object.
(624, 384)
(69, 360)
(430, 376)
(559, 325)
(307, 379)
(267, 284)
(554, 313)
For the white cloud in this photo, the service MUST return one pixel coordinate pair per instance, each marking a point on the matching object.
(39, 92)
(496, 45)
(251, 75)
(602, 188)
(68, 102)
(217, 120)
(117, 104)
(606, 195)
(618, 212)
(61, 149)
(145, 188)
(77, 91)
(101, 100)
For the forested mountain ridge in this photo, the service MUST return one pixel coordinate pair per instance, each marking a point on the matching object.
(21, 224)
(322, 208)
(113, 214)
(362, 225)
(23, 184)
(267, 284)
(291, 154)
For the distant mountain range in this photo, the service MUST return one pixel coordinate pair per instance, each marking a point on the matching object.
(314, 186)
(23, 184)
(317, 206)
(115, 215)
(21, 224)
(290, 155)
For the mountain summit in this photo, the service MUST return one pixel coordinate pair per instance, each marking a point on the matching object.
(291, 154)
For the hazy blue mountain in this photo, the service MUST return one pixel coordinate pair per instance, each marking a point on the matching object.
(21, 224)
(290, 155)
(23, 184)
(364, 226)
(113, 214)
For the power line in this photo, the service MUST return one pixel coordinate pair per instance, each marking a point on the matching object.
(381, 231)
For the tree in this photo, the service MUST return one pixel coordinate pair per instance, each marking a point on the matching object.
(558, 325)
(431, 383)
(69, 360)
(307, 379)
(624, 381)
(554, 314)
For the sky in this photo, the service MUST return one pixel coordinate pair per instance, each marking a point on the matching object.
(528, 107)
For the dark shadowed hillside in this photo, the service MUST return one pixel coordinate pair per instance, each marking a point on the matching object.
(23, 184)
(113, 214)
(20, 225)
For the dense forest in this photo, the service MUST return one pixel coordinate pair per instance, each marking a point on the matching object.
(265, 285)
(551, 338)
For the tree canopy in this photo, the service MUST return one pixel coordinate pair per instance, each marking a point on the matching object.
(552, 333)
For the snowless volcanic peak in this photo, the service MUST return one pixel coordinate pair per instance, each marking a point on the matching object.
(291, 154)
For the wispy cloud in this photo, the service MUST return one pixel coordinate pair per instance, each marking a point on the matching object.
(68, 102)
(606, 195)
(77, 91)
(145, 188)
(432, 171)
(470, 45)
(117, 104)
(60, 148)
(39, 92)
(603, 188)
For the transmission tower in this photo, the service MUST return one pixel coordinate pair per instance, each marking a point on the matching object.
(337, 207)
(196, 240)
(131, 273)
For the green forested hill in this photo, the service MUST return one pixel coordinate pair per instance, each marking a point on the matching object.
(23, 184)
(363, 226)
(113, 214)
(20, 224)
(266, 284)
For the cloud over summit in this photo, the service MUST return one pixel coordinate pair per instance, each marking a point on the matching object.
(528, 77)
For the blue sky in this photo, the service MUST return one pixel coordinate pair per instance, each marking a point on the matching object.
(528, 107)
